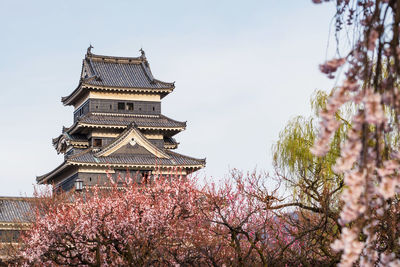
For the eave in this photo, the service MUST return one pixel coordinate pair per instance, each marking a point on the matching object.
(63, 142)
(44, 178)
(79, 125)
(100, 158)
(170, 146)
(84, 88)
(140, 166)
(15, 225)
(80, 143)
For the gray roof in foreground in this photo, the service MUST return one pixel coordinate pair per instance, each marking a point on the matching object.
(16, 210)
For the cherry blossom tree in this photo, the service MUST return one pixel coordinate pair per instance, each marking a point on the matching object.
(251, 232)
(167, 221)
(369, 159)
(141, 225)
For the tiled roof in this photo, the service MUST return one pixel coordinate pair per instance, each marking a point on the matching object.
(42, 178)
(185, 160)
(120, 72)
(110, 119)
(117, 73)
(16, 209)
(170, 140)
(71, 137)
(135, 159)
(63, 141)
(86, 157)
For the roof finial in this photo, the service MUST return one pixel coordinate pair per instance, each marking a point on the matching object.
(89, 50)
(143, 53)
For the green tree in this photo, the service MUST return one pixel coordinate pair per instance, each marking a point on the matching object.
(314, 185)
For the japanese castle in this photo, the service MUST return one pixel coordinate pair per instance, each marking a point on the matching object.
(118, 127)
(118, 130)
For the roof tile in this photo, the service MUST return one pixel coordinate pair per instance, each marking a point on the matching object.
(109, 119)
(175, 160)
(15, 209)
(115, 74)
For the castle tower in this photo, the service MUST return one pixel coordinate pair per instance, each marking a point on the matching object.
(118, 126)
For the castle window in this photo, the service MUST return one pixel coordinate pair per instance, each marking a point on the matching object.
(121, 106)
(97, 142)
(110, 106)
(97, 107)
(154, 108)
(129, 106)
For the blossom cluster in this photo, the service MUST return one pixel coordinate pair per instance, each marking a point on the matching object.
(368, 160)
(171, 220)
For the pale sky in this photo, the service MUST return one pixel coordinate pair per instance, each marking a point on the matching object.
(242, 70)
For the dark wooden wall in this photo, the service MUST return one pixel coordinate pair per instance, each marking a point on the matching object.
(84, 109)
(68, 183)
(101, 179)
(111, 106)
(9, 235)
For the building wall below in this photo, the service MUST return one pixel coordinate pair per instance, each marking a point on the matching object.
(99, 176)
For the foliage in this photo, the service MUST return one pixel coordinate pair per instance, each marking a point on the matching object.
(292, 156)
(172, 221)
(169, 221)
(256, 235)
(368, 162)
(120, 227)
(315, 186)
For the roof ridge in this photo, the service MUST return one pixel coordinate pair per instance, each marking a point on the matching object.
(147, 71)
(93, 70)
(97, 56)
